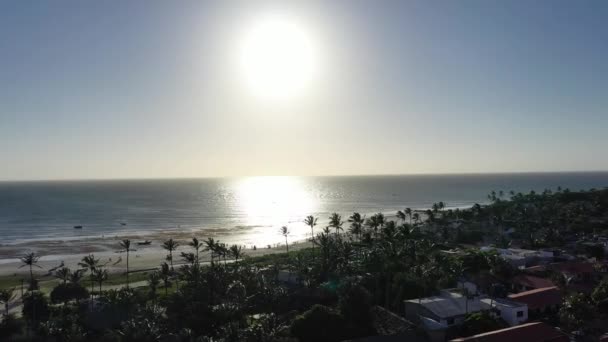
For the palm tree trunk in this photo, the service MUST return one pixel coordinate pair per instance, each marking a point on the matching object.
(31, 278)
(171, 259)
(312, 239)
(286, 244)
(127, 269)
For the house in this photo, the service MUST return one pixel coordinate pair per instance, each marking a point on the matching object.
(529, 332)
(520, 258)
(511, 311)
(525, 282)
(539, 300)
(576, 270)
(438, 313)
(581, 276)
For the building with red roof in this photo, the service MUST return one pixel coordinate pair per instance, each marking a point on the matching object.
(581, 275)
(573, 268)
(525, 282)
(539, 300)
(529, 332)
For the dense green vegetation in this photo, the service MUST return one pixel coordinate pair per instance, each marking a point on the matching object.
(323, 293)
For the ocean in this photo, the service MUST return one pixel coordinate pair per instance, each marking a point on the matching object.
(248, 209)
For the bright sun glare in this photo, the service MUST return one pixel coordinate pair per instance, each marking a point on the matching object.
(278, 59)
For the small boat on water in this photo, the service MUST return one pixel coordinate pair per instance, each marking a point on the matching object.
(144, 243)
(123, 224)
(77, 227)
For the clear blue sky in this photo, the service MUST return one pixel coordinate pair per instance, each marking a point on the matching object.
(112, 89)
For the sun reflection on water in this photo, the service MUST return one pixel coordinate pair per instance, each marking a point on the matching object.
(272, 202)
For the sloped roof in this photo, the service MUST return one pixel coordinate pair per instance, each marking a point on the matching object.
(388, 323)
(532, 281)
(539, 298)
(530, 332)
(575, 267)
(449, 304)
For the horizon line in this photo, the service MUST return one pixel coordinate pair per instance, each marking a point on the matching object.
(303, 176)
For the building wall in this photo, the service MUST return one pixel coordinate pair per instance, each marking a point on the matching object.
(510, 316)
(452, 321)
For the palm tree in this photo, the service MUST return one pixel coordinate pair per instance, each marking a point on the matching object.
(63, 273)
(222, 251)
(235, 251)
(311, 221)
(189, 258)
(170, 245)
(435, 208)
(126, 245)
(356, 224)
(441, 205)
(99, 275)
(6, 296)
(324, 242)
(90, 263)
(375, 222)
(401, 215)
(416, 217)
(197, 246)
(211, 247)
(153, 282)
(31, 260)
(76, 276)
(335, 221)
(285, 232)
(408, 212)
(165, 275)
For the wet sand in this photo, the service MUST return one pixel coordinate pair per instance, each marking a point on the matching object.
(55, 253)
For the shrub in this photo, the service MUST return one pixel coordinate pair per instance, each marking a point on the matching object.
(355, 304)
(320, 323)
(9, 326)
(35, 307)
(66, 292)
(480, 322)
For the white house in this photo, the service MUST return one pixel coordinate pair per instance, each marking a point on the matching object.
(520, 258)
(437, 313)
(510, 311)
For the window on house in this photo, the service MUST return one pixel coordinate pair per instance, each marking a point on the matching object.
(520, 314)
(450, 321)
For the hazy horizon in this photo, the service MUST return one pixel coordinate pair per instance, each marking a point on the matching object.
(481, 173)
(154, 89)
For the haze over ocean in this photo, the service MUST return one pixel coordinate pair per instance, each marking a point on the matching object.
(246, 210)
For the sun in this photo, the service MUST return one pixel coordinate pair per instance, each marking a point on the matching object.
(278, 58)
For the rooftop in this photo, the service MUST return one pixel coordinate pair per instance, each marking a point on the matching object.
(532, 281)
(388, 323)
(502, 303)
(448, 304)
(576, 267)
(539, 298)
(529, 332)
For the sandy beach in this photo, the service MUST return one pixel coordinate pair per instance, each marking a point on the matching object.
(55, 253)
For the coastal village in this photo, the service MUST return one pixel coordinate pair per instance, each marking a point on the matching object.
(524, 267)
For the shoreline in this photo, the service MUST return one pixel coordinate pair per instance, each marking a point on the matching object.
(56, 253)
(237, 232)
